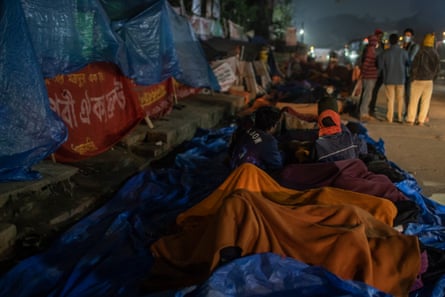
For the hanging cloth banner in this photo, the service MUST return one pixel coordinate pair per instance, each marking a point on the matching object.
(183, 11)
(96, 105)
(208, 9)
(196, 7)
(202, 27)
(216, 9)
(100, 106)
(236, 32)
(158, 100)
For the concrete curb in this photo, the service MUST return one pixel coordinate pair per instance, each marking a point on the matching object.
(66, 193)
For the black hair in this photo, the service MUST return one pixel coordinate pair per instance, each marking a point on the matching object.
(393, 38)
(266, 117)
(409, 30)
(327, 102)
(333, 54)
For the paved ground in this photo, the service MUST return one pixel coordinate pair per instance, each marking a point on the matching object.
(418, 150)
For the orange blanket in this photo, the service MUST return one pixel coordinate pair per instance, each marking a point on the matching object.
(310, 226)
(253, 179)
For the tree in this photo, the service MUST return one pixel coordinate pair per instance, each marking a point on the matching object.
(262, 16)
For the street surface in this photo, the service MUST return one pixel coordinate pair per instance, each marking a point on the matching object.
(418, 150)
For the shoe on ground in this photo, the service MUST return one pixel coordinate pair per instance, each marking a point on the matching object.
(366, 118)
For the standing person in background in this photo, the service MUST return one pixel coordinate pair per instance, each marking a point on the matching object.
(295, 67)
(412, 48)
(338, 75)
(393, 64)
(369, 72)
(379, 50)
(424, 70)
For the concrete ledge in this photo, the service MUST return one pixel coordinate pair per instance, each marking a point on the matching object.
(66, 193)
(235, 103)
(51, 173)
(138, 134)
(150, 150)
(8, 234)
(196, 111)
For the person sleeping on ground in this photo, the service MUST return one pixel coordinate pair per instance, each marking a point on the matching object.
(347, 233)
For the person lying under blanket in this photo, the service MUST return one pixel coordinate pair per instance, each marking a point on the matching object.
(348, 233)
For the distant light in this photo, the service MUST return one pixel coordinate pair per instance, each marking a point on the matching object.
(354, 55)
(301, 31)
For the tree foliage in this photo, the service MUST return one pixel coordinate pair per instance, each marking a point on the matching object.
(262, 16)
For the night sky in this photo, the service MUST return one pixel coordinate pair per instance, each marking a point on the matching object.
(331, 23)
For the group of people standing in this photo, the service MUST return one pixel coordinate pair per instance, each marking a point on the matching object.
(405, 69)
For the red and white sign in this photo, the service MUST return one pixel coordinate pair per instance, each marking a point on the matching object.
(100, 106)
(96, 106)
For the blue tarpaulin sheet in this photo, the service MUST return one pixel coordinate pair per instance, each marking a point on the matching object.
(106, 253)
(41, 39)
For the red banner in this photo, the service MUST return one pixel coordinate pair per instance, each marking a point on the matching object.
(158, 100)
(181, 91)
(97, 106)
(155, 100)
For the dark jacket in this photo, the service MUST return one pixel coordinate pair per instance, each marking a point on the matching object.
(257, 147)
(339, 146)
(394, 62)
(412, 49)
(369, 62)
(426, 64)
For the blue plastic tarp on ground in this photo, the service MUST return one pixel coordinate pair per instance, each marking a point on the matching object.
(107, 253)
(44, 38)
(272, 275)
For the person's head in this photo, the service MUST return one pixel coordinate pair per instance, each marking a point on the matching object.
(329, 121)
(301, 53)
(327, 102)
(333, 60)
(311, 60)
(333, 57)
(408, 35)
(393, 39)
(379, 34)
(428, 40)
(267, 118)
